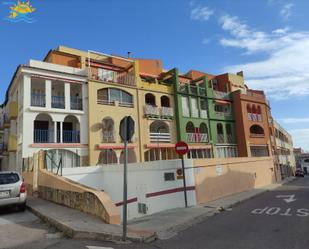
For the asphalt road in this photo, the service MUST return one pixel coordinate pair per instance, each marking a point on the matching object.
(278, 219)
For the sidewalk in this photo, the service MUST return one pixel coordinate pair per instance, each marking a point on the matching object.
(162, 225)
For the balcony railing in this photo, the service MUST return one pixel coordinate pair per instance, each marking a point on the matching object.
(167, 112)
(194, 113)
(203, 114)
(220, 95)
(38, 100)
(197, 137)
(71, 136)
(220, 138)
(108, 137)
(76, 103)
(223, 114)
(185, 112)
(58, 102)
(43, 136)
(111, 76)
(151, 110)
(157, 137)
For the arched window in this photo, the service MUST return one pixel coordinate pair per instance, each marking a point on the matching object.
(107, 96)
(220, 134)
(150, 99)
(43, 129)
(107, 156)
(259, 111)
(190, 127)
(108, 131)
(159, 127)
(256, 130)
(165, 101)
(131, 156)
(254, 109)
(71, 130)
(203, 128)
(249, 110)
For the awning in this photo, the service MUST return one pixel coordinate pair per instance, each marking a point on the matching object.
(199, 147)
(223, 102)
(114, 146)
(159, 145)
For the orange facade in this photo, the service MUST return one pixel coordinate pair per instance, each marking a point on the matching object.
(251, 112)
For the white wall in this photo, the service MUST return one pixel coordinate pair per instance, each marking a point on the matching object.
(143, 179)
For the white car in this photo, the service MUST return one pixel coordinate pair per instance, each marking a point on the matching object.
(12, 190)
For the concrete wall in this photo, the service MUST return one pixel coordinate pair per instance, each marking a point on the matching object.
(146, 184)
(215, 178)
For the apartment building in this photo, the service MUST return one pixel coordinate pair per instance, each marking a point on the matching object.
(45, 109)
(284, 152)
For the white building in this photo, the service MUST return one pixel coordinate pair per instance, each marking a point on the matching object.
(45, 109)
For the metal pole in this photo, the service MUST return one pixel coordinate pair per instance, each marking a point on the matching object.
(125, 169)
(184, 180)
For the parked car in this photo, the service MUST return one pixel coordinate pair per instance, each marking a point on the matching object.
(12, 190)
(300, 173)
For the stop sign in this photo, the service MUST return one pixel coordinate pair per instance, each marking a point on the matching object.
(181, 148)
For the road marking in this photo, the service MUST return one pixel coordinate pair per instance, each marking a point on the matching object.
(98, 247)
(301, 212)
(287, 198)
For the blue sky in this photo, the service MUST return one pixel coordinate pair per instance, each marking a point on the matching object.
(267, 39)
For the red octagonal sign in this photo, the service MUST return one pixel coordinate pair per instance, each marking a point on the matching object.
(181, 148)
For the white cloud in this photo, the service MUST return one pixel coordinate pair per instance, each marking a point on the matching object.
(301, 138)
(286, 10)
(284, 73)
(294, 120)
(201, 13)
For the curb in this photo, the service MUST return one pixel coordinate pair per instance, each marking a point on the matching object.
(76, 234)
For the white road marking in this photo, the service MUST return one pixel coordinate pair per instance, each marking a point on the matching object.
(287, 198)
(98, 247)
(301, 212)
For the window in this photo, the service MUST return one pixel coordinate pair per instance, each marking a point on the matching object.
(222, 108)
(106, 75)
(256, 130)
(150, 99)
(259, 151)
(165, 101)
(110, 95)
(203, 104)
(190, 127)
(185, 106)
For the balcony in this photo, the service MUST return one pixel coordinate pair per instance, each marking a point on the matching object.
(13, 110)
(43, 136)
(255, 117)
(231, 139)
(185, 112)
(38, 100)
(197, 137)
(204, 114)
(151, 111)
(109, 137)
(220, 138)
(12, 144)
(194, 113)
(223, 115)
(114, 77)
(157, 137)
(167, 112)
(71, 136)
(221, 95)
(76, 103)
(58, 102)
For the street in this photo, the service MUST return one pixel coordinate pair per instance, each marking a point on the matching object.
(278, 219)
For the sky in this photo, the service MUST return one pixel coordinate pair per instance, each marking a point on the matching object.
(267, 39)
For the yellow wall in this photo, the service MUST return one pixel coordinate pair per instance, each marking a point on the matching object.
(238, 174)
(98, 112)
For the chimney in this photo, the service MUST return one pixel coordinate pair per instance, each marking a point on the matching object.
(240, 73)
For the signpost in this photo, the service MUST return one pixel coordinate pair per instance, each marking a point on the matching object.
(182, 149)
(126, 133)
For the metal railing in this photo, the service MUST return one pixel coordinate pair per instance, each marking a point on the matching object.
(71, 136)
(230, 139)
(38, 99)
(157, 137)
(58, 102)
(43, 136)
(197, 137)
(120, 78)
(76, 103)
(167, 112)
(150, 110)
(108, 137)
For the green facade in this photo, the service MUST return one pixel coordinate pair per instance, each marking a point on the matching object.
(206, 98)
